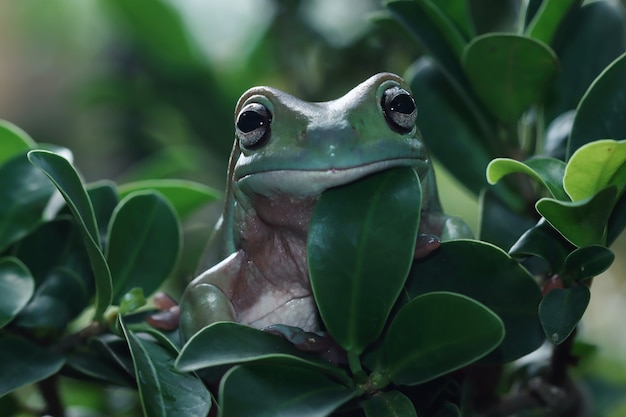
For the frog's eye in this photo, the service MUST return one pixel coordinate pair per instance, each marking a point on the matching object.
(253, 125)
(399, 109)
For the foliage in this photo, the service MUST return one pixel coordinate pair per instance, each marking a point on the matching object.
(521, 93)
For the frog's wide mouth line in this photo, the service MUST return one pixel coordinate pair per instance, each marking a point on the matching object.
(306, 183)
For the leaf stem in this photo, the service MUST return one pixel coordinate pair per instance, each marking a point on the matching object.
(355, 366)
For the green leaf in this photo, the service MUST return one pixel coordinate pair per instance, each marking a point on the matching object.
(226, 343)
(163, 390)
(360, 248)
(67, 181)
(500, 224)
(144, 243)
(185, 196)
(16, 287)
(59, 299)
(13, 141)
(494, 15)
(434, 31)
(509, 72)
(104, 199)
(617, 221)
(437, 333)
(24, 363)
(561, 310)
(24, 193)
(448, 125)
(486, 274)
(588, 262)
(576, 41)
(547, 171)
(389, 404)
(595, 166)
(543, 241)
(89, 361)
(547, 19)
(448, 410)
(600, 112)
(131, 301)
(582, 222)
(281, 388)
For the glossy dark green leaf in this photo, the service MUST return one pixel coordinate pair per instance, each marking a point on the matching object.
(547, 19)
(67, 181)
(582, 222)
(185, 196)
(576, 41)
(437, 333)
(543, 241)
(389, 404)
(587, 262)
(13, 141)
(487, 274)
(449, 410)
(131, 301)
(449, 126)
(360, 247)
(561, 310)
(144, 243)
(547, 171)
(509, 72)
(163, 390)
(494, 15)
(57, 300)
(459, 14)
(226, 343)
(90, 362)
(500, 224)
(595, 166)
(434, 31)
(600, 112)
(104, 199)
(24, 363)
(24, 193)
(281, 388)
(16, 287)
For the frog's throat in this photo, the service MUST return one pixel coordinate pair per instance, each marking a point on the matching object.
(309, 183)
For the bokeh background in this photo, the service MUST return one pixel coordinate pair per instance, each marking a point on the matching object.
(146, 89)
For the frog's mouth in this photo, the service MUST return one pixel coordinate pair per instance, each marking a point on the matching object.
(308, 183)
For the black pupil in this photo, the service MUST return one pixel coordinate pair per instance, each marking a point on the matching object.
(249, 121)
(402, 103)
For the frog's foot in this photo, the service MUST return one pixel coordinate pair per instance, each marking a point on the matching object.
(425, 244)
(312, 342)
(168, 317)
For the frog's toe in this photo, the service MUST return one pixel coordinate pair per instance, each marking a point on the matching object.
(201, 305)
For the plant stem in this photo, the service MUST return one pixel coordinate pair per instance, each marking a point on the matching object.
(49, 389)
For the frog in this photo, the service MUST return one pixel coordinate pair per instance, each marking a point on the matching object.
(286, 153)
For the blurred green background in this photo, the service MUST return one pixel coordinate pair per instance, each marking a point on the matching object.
(146, 89)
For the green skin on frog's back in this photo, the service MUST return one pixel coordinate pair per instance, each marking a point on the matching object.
(286, 153)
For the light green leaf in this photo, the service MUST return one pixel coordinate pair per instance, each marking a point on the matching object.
(437, 333)
(16, 287)
(13, 141)
(582, 222)
(548, 17)
(360, 248)
(547, 171)
(595, 166)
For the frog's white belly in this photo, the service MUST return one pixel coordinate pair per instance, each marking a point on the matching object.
(282, 308)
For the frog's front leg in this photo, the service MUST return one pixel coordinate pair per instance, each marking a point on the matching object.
(205, 301)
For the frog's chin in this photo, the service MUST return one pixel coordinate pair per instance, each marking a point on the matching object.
(310, 183)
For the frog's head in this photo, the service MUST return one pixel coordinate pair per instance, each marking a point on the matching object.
(286, 146)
